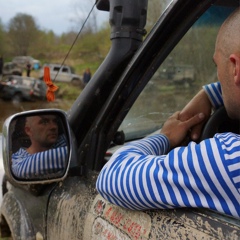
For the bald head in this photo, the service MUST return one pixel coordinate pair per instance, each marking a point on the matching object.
(228, 40)
(227, 60)
(30, 121)
(42, 131)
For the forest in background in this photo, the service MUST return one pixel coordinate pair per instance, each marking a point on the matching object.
(21, 36)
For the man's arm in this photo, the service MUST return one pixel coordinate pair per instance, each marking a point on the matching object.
(143, 175)
(61, 141)
(206, 99)
(25, 165)
(137, 177)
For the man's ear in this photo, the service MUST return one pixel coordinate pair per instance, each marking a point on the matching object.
(27, 130)
(235, 60)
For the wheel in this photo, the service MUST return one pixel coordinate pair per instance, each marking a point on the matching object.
(220, 122)
(187, 83)
(17, 73)
(17, 97)
(76, 81)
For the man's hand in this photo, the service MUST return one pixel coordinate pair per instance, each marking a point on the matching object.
(199, 104)
(177, 130)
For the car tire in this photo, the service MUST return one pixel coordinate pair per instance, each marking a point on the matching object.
(76, 82)
(187, 83)
(17, 73)
(17, 98)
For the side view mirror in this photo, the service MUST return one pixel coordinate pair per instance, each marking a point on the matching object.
(37, 146)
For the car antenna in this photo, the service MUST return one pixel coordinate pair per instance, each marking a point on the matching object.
(51, 87)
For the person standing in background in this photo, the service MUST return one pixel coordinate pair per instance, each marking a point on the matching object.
(87, 76)
(29, 68)
(1, 65)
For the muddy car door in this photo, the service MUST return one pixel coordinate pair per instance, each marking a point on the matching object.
(82, 214)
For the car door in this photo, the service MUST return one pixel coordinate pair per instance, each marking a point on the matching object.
(65, 74)
(39, 89)
(82, 214)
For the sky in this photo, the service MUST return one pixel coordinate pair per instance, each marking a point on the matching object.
(56, 15)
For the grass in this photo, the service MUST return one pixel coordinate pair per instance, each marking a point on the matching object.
(67, 91)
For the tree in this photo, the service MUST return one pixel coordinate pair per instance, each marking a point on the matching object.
(155, 7)
(23, 33)
(2, 40)
(81, 11)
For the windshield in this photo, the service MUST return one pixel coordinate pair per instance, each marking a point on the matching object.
(187, 68)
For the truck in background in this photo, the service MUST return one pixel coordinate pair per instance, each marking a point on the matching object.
(62, 73)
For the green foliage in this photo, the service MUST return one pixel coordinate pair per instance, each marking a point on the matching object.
(188, 53)
(23, 37)
(67, 91)
(22, 33)
(91, 47)
(3, 40)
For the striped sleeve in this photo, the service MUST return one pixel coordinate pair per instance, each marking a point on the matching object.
(139, 176)
(214, 93)
(61, 142)
(25, 165)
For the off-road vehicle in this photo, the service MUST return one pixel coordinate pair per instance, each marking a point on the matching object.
(61, 73)
(10, 68)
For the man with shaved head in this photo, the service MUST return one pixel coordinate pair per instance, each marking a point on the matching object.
(47, 153)
(154, 172)
(227, 60)
(227, 91)
(42, 131)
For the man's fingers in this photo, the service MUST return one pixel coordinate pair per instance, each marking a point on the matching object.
(196, 131)
(195, 120)
(175, 115)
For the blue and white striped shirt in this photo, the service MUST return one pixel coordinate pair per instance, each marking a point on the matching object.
(142, 175)
(26, 165)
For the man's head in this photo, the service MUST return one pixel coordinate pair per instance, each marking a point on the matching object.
(227, 60)
(42, 131)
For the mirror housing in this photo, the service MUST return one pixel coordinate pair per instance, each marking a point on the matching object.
(37, 146)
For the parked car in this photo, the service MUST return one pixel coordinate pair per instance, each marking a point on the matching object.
(22, 62)
(182, 75)
(10, 68)
(61, 73)
(19, 88)
(119, 106)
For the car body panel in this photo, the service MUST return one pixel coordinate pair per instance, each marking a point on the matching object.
(16, 212)
(160, 224)
(80, 213)
(11, 68)
(61, 73)
(22, 62)
(27, 88)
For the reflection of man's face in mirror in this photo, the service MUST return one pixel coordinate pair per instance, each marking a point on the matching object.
(42, 131)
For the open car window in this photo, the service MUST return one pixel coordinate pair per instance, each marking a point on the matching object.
(186, 69)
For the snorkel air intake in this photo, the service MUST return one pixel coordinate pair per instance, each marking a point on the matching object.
(127, 20)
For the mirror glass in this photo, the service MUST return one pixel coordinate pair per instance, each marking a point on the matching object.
(39, 146)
